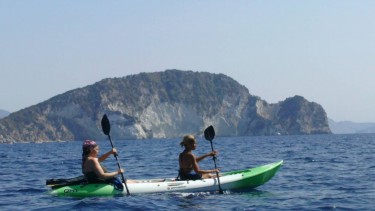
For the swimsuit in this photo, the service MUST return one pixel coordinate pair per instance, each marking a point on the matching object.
(93, 178)
(190, 176)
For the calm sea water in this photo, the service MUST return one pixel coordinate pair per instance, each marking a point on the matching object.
(321, 172)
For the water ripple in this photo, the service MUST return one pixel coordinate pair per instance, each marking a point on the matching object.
(320, 172)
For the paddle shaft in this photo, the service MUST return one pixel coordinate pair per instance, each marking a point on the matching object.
(217, 173)
(119, 167)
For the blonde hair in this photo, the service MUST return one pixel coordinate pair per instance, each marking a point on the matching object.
(188, 139)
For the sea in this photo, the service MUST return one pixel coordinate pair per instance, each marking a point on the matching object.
(320, 172)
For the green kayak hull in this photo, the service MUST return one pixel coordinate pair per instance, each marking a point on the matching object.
(234, 180)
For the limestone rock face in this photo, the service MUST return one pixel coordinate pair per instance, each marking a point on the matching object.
(165, 104)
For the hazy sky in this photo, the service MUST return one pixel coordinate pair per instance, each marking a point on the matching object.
(319, 49)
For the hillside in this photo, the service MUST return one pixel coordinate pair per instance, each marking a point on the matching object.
(3, 113)
(349, 127)
(162, 105)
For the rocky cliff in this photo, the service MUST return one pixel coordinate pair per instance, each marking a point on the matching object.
(162, 105)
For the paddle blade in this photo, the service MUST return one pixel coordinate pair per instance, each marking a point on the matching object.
(209, 133)
(106, 127)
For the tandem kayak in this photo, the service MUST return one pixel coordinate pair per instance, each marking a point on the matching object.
(242, 179)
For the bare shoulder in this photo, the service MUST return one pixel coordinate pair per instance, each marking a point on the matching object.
(187, 155)
(93, 160)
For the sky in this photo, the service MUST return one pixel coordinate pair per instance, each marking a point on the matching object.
(321, 50)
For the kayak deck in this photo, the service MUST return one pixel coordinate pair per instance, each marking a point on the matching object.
(241, 179)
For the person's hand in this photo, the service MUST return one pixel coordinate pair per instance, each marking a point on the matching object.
(120, 171)
(114, 151)
(213, 153)
(216, 170)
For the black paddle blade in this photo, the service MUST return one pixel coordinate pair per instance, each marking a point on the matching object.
(106, 127)
(209, 133)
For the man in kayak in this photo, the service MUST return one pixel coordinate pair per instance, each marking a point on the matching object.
(189, 168)
(91, 167)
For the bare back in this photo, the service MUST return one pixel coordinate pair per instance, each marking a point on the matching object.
(187, 162)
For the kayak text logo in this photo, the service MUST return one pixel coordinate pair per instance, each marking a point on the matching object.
(70, 191)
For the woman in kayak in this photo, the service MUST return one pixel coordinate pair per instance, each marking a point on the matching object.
(189, 168)
(91, 168)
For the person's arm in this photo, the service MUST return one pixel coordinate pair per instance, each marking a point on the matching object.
(101, 174)
(106, 155)
(197, 169)
(213, 153)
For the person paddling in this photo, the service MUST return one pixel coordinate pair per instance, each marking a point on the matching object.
(189, 168)
(91, 168)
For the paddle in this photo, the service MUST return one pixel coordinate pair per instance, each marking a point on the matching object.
(209, 134)
(106, 127)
